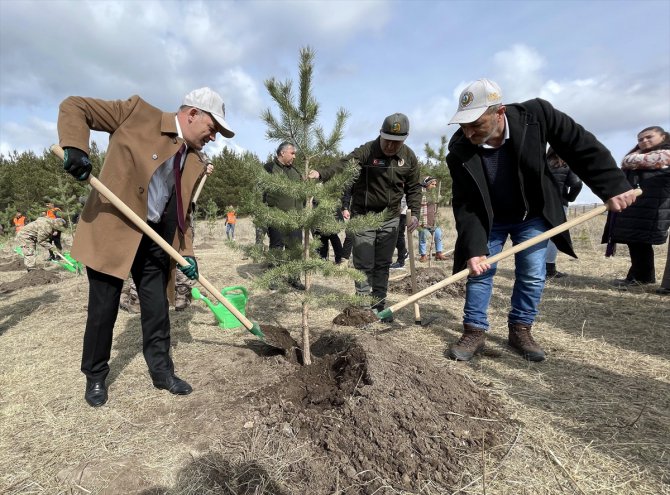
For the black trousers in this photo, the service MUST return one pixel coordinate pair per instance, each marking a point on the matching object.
(280, 239)
(150, 271)
(55, 241)
(642, 266)
(347, 245)
(337, 246)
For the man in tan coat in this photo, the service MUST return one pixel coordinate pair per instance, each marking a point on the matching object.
(150, 154)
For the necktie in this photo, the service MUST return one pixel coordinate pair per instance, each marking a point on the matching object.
(177, 187)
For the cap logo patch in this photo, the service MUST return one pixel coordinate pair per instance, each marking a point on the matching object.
(467, 98)
(494, 96)
(395, 128)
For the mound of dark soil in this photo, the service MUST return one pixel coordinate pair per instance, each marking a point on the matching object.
(379, 417)
(355, 317)
(30, 279)
(425, 277)
(12, 266)
(280, 339)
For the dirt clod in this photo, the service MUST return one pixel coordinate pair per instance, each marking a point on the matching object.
(280, 338)
(355, 317)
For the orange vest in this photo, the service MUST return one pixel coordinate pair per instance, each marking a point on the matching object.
(230, 217)
(51, 213)
(19, 222)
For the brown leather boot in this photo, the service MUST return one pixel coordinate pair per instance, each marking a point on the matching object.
(521, 340)
(471, 342)
(439, 256)
(423, 258)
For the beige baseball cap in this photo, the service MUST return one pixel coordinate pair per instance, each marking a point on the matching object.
(475, 99)
(210, 101)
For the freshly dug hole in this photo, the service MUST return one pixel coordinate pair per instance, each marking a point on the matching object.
(375, 416)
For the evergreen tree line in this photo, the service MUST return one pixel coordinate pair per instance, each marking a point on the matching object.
(28, 181)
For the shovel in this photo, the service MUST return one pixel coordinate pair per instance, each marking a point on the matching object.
(412, 269)
(501, 255)
(69, 265)
(254, 328)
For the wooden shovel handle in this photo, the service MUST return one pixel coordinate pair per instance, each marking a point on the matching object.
(199, 189)
(505, 254)
(412, 267)
(142, 225)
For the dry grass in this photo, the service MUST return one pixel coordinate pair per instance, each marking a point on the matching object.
(594, 418)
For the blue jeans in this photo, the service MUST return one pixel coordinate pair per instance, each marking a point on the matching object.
(529, 275)
(437, 231)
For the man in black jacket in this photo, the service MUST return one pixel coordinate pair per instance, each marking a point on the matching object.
(502, 187)
(389, 169)
(282, 163)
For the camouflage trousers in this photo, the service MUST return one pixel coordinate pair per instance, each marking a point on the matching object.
(29, 249)
(183, 288)
(130, 301)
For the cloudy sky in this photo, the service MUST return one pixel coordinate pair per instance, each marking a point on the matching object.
(605, 63)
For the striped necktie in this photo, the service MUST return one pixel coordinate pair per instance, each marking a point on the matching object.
(177, 186)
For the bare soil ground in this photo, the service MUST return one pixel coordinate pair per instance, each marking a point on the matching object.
(380, 410)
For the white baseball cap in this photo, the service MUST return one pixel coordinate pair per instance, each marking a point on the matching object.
(475, 99)
(210, 101)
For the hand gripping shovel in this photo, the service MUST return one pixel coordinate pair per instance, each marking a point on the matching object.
(141, 224)
(493, 259)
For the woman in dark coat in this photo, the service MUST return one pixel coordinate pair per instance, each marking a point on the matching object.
(646, 222)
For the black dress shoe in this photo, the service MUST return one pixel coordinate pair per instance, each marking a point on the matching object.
(172, 384)
(96, 392)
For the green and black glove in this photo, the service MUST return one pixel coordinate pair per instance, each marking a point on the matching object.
(76, 163)
(191, 271)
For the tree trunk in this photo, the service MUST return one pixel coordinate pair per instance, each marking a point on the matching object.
(307, 357)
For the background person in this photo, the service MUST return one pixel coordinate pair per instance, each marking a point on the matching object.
(502, 187)
(646, 223)
(401, 243)
(664, 289)
(281, 240)
(229, 222)
(19, 221)
(569, 186)
(53, 212)
(389, 169)
(38, 233)
(427, 222)
(157, 155)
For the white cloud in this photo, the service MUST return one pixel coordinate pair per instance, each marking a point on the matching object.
(27, 137)
(602, 103)
(519, 71)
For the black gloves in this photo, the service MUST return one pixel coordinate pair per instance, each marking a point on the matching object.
(191, 271)
(76, 163)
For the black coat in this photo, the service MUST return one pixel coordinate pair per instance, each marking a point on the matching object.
(648, 219)
(567, 182)
(532, 125)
